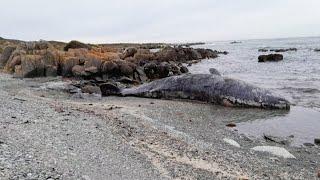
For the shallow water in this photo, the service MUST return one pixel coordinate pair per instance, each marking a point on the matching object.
(297, 78)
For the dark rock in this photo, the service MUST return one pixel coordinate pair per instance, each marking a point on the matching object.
(214, 71)
(317, 50)
(108, 89)
(51, 71)
(184, 69)
(91, 89)
(163, 70)
(150, 70)
(284, 50)
(235, 42)
(279, 140)
(317, 141)
(126, 69)
(6, 55)
(231, 125)
(128, 52)
(140, 75)
(308, 144)
(270, 57)
(127, 80)
(76, 45)
(263, 50)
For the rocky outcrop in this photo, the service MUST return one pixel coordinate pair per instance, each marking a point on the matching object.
(76, 45)
(270, 57)
(6, 55)
(284, 50)
(128, 52)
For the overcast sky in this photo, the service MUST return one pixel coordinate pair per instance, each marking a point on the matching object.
(158, 20)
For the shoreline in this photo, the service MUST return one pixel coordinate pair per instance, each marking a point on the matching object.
(163, 139)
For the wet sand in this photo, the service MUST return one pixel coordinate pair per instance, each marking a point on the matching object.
(49, 134)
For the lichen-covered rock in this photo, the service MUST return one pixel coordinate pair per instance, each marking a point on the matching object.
(76, 45)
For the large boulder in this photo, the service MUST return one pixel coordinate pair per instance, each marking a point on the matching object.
(6, 55)
(270, 57)
(76, 45)
(31, 66)
(110, 68)
(144, 54)
(128, 52)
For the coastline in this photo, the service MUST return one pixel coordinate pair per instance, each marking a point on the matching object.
(130, 138)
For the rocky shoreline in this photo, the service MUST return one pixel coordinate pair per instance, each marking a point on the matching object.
(118, 64)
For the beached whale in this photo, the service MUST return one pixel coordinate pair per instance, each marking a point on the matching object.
(210, 88)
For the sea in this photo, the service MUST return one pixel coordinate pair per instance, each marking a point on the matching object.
(297, 78)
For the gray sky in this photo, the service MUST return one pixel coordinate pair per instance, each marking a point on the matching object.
(158, 20)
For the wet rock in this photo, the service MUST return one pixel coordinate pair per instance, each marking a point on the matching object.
(214, 71)
(279, 140)
(90, 89)
(232, 142)
(232, 125)
(317, 50)
(76, 45)
(270, 57)
(184, 69)
(317, 141)
(284, 50)
(308, 144)
(263, 50)
(109, 89)
(6, 55)
(128, 52)
(277, 151)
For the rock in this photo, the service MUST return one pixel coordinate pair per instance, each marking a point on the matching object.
(144, 54)
(214, 71)
(308, 144)
(67, 65)
(163, 70)
(284, 50)
(31, 66)
(6, 55)
(140, 75)
(91, 89)
(93, 62)
(232, 125)
(270, 57)
(263, 50)
(126, 69)
(127, 80)
(317, 141)
(277, 151)
(231, 142)
(317, 50)
(128, 52)
(51, 71)
(76, 45)
(109, 67)
(78, 71)
(92, 70)
(108, 89)
(150, 70)
(235, 42)
(279, 140)
(184, 69)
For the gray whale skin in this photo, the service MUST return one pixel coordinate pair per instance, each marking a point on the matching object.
(209, 88)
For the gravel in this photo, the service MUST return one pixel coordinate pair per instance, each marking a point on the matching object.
(49, 134)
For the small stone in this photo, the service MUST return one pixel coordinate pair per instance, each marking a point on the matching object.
(317, 141)
(151, 102)
(231, 142)
(277, 151)
(13, 117)
(231, 125)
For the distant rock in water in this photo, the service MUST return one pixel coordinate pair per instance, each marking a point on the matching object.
(76, 45)
(263, 50)
(270, 57)
(317, 50)
(284, 50)
(235, 42)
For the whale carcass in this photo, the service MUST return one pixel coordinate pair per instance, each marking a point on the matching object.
(204, 87)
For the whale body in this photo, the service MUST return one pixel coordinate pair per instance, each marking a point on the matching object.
(209, 88)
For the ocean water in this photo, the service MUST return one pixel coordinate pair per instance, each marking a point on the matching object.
(297, 78)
